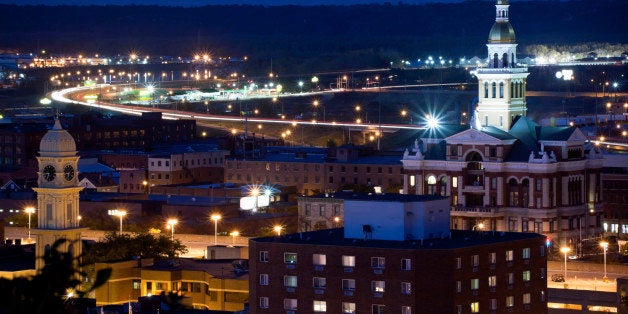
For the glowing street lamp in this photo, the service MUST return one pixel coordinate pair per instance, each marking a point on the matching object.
(234, 234)
(565, 250)
(119, 213)
(604, 246)
(171, 223)
(215, 218)
(278, 230)
(29, 210)
(301, 86)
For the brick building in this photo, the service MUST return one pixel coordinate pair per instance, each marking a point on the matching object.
(396, 254)
(615, 194)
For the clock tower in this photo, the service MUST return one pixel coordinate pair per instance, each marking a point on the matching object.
(57, 194)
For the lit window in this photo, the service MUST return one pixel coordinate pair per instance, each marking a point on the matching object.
(431, 180)
(263, 256)
(510, 256)
(263, 279)
(475, 260)
(319, 282)
(290, 304)
(510, 301)
(454, 182)
(378, 286)
(290, 258)
(458, 263)
(492, 281)
(348, 308)
(475, 307)
(526, 253)
(348, 261)
(348, 284)
(492, 258)
(263, 302)
(412, 181)
(378, 262)
(290, 281)
(406, 264)
(406, 310)
(406, 288)
(542, 295)
(526, 298)
(319, 259)
(526, 275)
(475, 284)
(320, 306)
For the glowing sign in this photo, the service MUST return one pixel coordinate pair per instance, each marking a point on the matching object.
(249, 203)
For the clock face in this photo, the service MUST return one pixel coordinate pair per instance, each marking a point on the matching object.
(68, 172)
(49, 173)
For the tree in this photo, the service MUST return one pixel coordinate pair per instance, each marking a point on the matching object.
(47, 292)
(116, 246)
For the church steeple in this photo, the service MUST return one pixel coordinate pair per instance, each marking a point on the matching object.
(502, 84)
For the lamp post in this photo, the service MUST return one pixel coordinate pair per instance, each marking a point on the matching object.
(604, 246)
(215, 218)
(278, 230)
(565, 250)
(255, 194)
(234, 234)
(119, 213)
(29, 210)
(171, 223)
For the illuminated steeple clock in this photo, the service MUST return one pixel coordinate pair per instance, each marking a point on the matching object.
(502, 84)
(57, 194)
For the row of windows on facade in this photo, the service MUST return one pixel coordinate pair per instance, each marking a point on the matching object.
(10, 161)
(306, 179)
(614, 228)
(493, 304)
(114, 134)
(322, 211)
(190, 161)
(321, 306)
(306, 167)
(516, 90)
(377, 286)
(406, 263)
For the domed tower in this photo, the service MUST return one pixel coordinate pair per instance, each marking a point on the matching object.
(57, 194)
(502, 84)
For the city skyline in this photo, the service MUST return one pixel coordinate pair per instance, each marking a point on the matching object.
(195, 3)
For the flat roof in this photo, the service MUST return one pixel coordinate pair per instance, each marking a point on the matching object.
(216, 268)
(459, 239)
(383, 197)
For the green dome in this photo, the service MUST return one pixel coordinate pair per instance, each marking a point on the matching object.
(501, 32)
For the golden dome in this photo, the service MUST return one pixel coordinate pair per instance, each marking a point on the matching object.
(501, 33)
(57, 142)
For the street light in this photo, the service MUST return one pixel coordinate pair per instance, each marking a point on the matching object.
(565, 250)
(234, 234)
(255, 194)
(479, 226)
(171, 223)
(604, 246)
(278, 230)
(119, 213)
(215, 218)
(29, 210)
(301, 86)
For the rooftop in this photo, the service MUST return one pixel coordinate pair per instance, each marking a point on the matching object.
(392, 197)
(217, 268)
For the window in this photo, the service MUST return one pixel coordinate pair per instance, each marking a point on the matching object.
(492, 304)
(458, 286)
(475, 260)
(475, 307)
(263, 302)
(509, 256)
(492, 258)
(406, 288)
(475, 284)
(542, 273)
(378, 309)
(526, 275)
(290, 304)
(319, 259)
(526, 298)
(290, 258)
(454, 182)
(320, 306)
(137, 285)
(492, 281)
(263, 279)
(348, 308)
(319, 282)
(542, 295)
(510, 301)
(526, 253)
(378, 262)
(538, 184)
(378, 286)
(406, 310)
(263, 256)
(511, 278)
(290, 281)
(458, 263)
(348, 261)
(406, 264)
(348, 284)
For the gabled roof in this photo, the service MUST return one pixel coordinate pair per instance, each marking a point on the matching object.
(442, 131)
(557, 133)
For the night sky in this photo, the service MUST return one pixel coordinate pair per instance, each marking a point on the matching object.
(192, 3)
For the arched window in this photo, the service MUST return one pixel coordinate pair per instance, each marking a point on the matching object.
(485, 89)
(505, 60)
(512, 59)
(443, 186)
(495, 61)
(520, 93)
(512, 89)
(501, 89)
(513, 193)
(494, 89)
(431, 185)
(525, 193)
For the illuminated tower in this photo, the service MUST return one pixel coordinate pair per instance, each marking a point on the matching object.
(57, 194)
(502, 84)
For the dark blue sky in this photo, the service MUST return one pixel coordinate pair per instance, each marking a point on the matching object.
(190, 3)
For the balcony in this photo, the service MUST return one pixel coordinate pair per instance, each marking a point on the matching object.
(474, 209)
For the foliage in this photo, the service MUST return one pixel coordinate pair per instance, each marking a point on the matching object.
(47, 291)
(116, 246)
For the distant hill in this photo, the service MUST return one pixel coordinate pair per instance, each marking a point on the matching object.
(316, 37)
